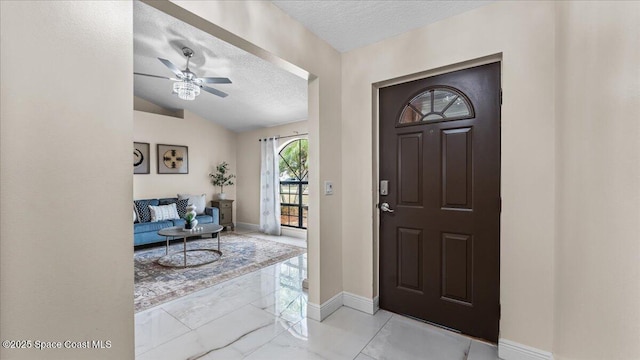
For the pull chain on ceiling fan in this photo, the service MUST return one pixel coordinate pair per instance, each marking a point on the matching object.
(188, 85)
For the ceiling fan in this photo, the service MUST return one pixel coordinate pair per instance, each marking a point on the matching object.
(188, 85)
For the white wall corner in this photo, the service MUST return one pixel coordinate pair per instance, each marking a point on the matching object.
(360, 303)
(320, 312)
(511, 350)
(247, 226)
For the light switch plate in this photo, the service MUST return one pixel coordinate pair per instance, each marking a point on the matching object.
(328, 188)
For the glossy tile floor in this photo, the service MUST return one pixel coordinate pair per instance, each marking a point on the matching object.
(262, 315)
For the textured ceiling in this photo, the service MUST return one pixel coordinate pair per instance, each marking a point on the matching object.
(349, 24)
(261, 94)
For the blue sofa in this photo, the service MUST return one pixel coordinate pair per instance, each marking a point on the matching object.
(147, 232)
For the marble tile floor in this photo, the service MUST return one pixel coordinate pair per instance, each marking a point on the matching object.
(289, 240)
(262, 315)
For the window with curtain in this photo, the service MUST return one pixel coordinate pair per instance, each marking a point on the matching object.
(294, 184)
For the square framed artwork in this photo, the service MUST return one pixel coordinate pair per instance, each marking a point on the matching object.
(141, 158)
(173, 159)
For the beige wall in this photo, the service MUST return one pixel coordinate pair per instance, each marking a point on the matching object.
(66, 264)
(209, 145)
(264, 30)
(141, 104)
(248, 153)
(598, 176)
(523, 33)
(569, 258)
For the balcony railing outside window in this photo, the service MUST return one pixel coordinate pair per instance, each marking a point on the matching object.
(294, 203)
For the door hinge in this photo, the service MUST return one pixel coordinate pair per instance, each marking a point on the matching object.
(500, 205)
(500, 96)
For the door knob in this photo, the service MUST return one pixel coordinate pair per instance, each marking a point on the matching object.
(385, 207)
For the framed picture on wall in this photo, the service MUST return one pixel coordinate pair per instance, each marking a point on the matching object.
(173, 159)
(141, 158)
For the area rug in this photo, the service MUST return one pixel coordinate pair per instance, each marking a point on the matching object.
(156, 284)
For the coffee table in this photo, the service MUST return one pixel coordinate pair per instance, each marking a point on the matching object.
(180, 232)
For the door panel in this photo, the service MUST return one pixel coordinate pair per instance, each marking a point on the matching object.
(457, 169)
(410, 169)
(457, 268)
(410, 259)
(439, 250)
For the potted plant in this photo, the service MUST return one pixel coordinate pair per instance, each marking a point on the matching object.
(191, 221)
(222, 178)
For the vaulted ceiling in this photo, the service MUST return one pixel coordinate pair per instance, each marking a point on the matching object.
(261, 94)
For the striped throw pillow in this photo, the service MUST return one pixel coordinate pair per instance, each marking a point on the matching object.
(163, 212)
(181, 205)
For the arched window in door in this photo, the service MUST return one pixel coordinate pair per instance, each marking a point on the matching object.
(294, 183)
(436, 104)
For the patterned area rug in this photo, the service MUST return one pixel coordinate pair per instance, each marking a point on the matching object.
(156, 284)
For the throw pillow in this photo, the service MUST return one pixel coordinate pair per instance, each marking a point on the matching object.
(181, 205)
(199, 201)
(142, 210)
(134, 216)
(163, 212)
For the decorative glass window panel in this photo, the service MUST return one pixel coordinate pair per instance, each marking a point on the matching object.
(436, 104)
(433, 116)
(458, 109)
(422, 103)
(409, 116)
(441, 99)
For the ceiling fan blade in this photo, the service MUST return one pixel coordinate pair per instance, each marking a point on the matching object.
(155, 76)
(172, 67)
(214, 91)
(215, 80)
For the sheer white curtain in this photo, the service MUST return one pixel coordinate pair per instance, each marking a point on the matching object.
(269, 187)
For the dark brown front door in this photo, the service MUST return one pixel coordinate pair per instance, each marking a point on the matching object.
(440, 153)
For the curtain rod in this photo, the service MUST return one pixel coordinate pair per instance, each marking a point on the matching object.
(288, 136)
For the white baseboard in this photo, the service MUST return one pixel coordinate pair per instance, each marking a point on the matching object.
(320, 312)
(287, 231)
(360, 303)
(296, 233)
(313, 311)
(357, 302)
(247, 226)
(511, 350)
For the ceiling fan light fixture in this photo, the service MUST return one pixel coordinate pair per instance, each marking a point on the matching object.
(186, 90)
(187, 85)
